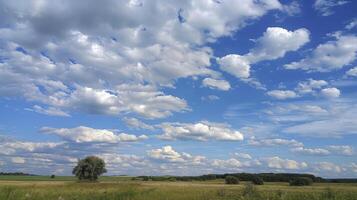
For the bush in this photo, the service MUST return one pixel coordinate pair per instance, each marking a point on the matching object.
(301, 181)
(53, 176)
(231, 180)
(256, 180)
(250, 192)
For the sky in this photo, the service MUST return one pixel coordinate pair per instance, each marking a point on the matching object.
(179, 87)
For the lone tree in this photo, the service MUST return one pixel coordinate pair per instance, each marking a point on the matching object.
(89, 168)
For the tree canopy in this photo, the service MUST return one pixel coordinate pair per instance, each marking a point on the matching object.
(89, 168)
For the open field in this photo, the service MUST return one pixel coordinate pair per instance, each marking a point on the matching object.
(122, 188)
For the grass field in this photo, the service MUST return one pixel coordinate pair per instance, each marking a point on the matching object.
(123, 188)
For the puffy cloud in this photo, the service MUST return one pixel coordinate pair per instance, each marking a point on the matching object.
(202, 131)
(311, 151)
(282, 94)
(280, 163)
(168, 154)
(18, 160)
(137, 124)
(276, 42)
(274, 142)
(88, 55)
(310, 85)
(84, 134)
(352, 72)
(235, 64)
(342, 149)
(327, 167)
(243, 155)
(329, 56)
(330, 92)
(216, 84)
(324, 7)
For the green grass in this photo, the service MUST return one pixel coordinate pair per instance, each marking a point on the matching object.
(123, 188)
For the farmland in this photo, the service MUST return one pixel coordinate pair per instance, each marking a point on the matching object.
(124, 188)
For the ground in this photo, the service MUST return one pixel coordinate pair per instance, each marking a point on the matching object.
(123, 188)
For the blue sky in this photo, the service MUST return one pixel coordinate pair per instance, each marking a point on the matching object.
(187, 88)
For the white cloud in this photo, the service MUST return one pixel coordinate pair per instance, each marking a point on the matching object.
(235, 64)
(282, 94)
(84, 134)
(276, 42)
(280, 163)
(18, 160)
(168, 154)
(330, 92)
(89, 55)
(216, 84)
(324, 7)
(342, 149)
(310, 86)
(327, 167)
(311, 151)
(202, 131)
(352, 24)
(332, 55)
(137, 124)
(243, 155)
(51, 111)
(352, 72)
(274, 142)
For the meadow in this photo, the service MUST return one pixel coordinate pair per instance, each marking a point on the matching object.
(124, 188)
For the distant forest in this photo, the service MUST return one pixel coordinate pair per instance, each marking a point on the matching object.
(267, 177)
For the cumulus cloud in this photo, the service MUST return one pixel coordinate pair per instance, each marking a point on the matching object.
(84, 134)
(274, 142)
(216, 84)
(311, 151)
(168, 154)
(330, 92)
(58, 53)
(310, 86)
(342, 149)
(235, 64)
(282, 94)
(330, 56)
(202, 131)
(274, 43)
(243, 155)
(327, 167)
(137, 124)
(325, 7)
(280, 163)
(18, 160)
(352, 72)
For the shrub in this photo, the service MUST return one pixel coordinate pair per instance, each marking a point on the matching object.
(231, 180)
(53, 176)
(250, 192)
(256, 180)
(301, 181)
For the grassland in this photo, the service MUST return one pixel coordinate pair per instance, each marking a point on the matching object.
(123, 188)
